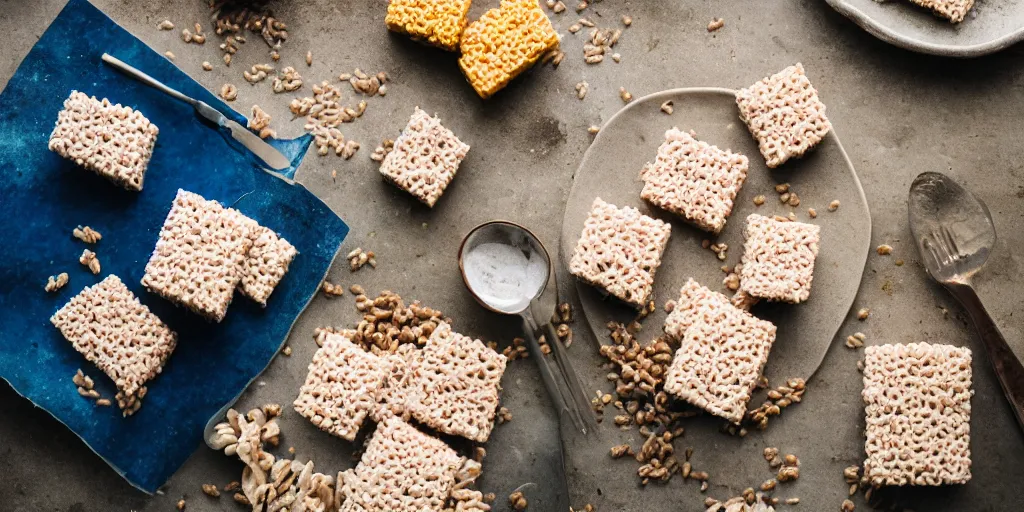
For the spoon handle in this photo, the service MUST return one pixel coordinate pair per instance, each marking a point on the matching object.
(1008, 367)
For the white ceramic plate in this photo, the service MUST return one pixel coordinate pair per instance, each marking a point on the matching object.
(611, 168)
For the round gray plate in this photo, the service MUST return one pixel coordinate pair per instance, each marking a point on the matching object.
(611, 168)
(990, 26)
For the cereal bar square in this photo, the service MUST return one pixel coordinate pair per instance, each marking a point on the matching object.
(402, 470)
(454, 384)
(108, 325)
(266, 264)
(425, 158)
(503, 43)
(953, 10)
(719, 361)
(199, 256)
(778, 259)
(110, 140)
(340, 387)
(435, 22)
(917, 405)
(694, 180)
(619, 251)
(784, 115)
(695, 301)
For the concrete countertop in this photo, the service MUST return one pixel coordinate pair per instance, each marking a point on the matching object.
(898, 114)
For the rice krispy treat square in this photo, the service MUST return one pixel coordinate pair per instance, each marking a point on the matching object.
(401, 470)
(694, 180)
(719, 361)
(110, 140)
(695, 301)
(953, 10)
(425, 158)
(340, 387)
(503, 43)
(435, 22)
(108, 325)
(199, 256)
(917, 406)
(266, 263)
(784, 115)
(454, 384)
(778, 259)
(619, 251)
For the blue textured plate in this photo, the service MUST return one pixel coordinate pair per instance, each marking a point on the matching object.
(44, 197)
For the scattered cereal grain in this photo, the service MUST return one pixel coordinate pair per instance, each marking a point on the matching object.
(56, 282)
(716, 24)
(89, 259)
(228, 92)
(581, 89)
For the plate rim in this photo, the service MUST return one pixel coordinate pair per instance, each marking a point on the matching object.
(887, 34)
(865, 250)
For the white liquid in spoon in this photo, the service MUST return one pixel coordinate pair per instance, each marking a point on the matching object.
(504, 276)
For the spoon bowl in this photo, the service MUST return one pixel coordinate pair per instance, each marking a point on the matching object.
(953, 229)
(504, 266)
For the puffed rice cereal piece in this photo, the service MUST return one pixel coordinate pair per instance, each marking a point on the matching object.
(425, 158)
(619, 251)
(695, 301)
(778, 259)
(108, 325)
(503, 43)
(402, 470)
(340, 387)
(199, 256)
(694, 180)
(917, 406)
(719, 361)
(953, 10)
(435, 22)
(784, 115)
(113, 141)
(454, 384)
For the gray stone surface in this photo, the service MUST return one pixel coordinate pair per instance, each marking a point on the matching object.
(897, 113)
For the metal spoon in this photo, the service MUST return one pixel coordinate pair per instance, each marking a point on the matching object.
(506, 269)
(954, 234)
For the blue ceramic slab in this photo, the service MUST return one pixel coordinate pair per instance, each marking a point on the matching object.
(43, 197)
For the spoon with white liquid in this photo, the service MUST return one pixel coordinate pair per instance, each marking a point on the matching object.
(506, 268)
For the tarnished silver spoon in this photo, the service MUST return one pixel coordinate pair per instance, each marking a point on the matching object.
(954, 234)
(507, 270)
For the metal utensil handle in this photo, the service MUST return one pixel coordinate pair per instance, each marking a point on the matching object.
(571, 381)
(555, 383)
(1008, 367)
(144, 78)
